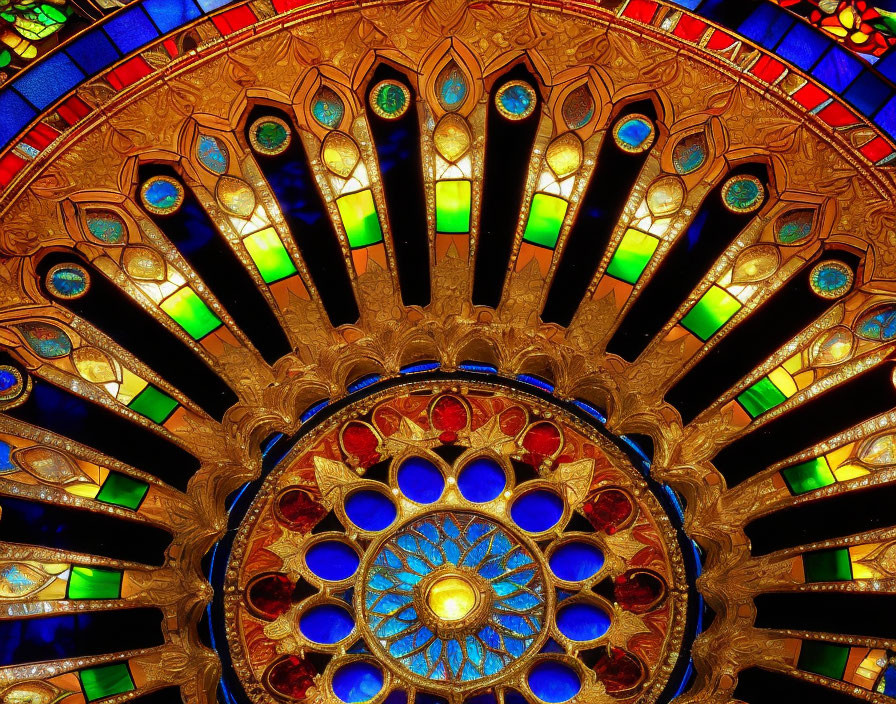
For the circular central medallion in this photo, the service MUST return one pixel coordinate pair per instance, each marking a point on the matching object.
(450, 598)
(454, 596)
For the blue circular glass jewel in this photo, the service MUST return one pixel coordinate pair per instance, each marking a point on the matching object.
(554, 682)
(332, 560)
(516, 100)
(357, 682)
(537, 511)
(326, 623)
(68, 281)
(830, 279)
(162, 195)
(481, 480)
(420, 480)
(633, 133)
(581, 621)
(10, 385)
(576, 561)
(370, 510)
(743, 194)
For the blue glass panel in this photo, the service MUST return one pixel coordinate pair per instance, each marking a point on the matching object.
(169, 14)
(803, 45)
(481, 480)
(314, 408)
(536, 511)
(130, 30)
(837, 69)
(886, 118)
(553, 682)
(478, 367)
(93, 52)
(543, 384)
(887, 66)
(582, 621)
(45, 82)
(363, 382)
(15, 113)
(357, 682)
(326, 623)
(370, 510)
(576, 560)
(419, 367)
(766, 25)
(868, 93)
(209, 5)
(420, 480)
(332, 560)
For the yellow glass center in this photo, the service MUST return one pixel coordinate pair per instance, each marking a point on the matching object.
(451, 598)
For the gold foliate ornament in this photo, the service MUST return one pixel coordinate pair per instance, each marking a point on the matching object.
(564, 155)
(235, 196)
(340, 154)
(452, 137)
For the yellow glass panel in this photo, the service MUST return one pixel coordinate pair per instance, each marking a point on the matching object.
(131, 385)
(783, 381)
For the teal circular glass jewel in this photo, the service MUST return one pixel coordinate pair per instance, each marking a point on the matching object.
(553, 681)
(516, 100)
(830, 279)
(327, 108)
(68, 281)
(390, 99)
(270, 136)
(634, 134)
(162, 195)
(743, 194)
(357, 682)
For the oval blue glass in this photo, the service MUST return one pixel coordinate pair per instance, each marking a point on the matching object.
(370, 510)
(420, 480)
(634, 132)
(326, 623)
(576, 560)
(357, 682)
(481, 480)
(581, 621)
(537, 511)
(554, 682)
(332, 560)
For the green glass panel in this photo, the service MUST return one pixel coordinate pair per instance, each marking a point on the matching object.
(808, 476)
(122, 491)
(760, 397)
(94, 583)
(453, 206)
(545, 220)
(358, 213)
(190, 312)
(831, 565)
(632, 255)
(711, 312)
(270, 256)
(106, 681)
(826, 659)
(154, 404)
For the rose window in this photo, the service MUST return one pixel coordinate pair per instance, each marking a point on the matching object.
(437, 542)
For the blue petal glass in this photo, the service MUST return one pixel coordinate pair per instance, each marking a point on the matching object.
(537, 511)
(332, 560)
(581, 621)
(420, 480)
(6, 464)
(326, 623)
(481, 480)
(576, 560)
(553, 682)
(370, 510)
(212, 153)
(357, 682)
